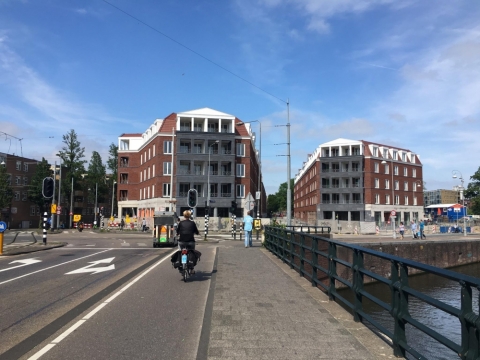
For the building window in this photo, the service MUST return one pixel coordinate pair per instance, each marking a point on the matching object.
(24, 196)
(18, 165)
(414, 200)
(25, 167)
(240, 149)
(240, 191)
(406, 200)
(414, 172)
(141, 176)
(395, 170)
(149, 154)
(167, 147)
(25, 180)
(17, 196)
(387, 199)
(377, 183)
(385, 153)
(167, 168)
(166, 190)
(153, 170)
(405, 186)
(148, 192)
(153, 150)
(395, 155)
(405, 171)
(404, 156)
(240, 170)
(32, 210)
(377, 199)
(387, 184)
(153, 191)
(397, 200)
(387, 169)
(376, 167)
(18, 180)
(397, 186)
(149, 172)
(124, 144)
(375, 151)
(413, 158)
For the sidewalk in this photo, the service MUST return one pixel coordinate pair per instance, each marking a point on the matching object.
(263, 310)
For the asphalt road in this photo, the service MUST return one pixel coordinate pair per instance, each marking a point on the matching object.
(44, 294)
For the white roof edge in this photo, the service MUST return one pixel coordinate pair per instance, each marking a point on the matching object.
(205, 112)
(439, 205)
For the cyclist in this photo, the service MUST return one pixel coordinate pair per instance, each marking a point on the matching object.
(185, 230)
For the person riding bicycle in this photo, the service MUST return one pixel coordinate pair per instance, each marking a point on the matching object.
(185, 230)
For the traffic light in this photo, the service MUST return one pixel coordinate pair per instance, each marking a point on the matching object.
(192, 198)
(233, 207)
(47, 188)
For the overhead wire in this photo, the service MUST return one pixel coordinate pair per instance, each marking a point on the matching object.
(193, 51)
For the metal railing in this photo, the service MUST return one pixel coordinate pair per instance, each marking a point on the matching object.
(318, 259)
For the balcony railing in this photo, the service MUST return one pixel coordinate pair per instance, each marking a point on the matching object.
(184, 172)
(184, 150)
(226, 173)
(226, 194)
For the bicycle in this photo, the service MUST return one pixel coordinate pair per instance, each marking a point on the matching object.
(186, 265)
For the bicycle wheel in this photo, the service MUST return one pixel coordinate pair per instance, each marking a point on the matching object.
(185, 274)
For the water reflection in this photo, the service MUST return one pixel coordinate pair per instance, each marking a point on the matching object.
(438, 288)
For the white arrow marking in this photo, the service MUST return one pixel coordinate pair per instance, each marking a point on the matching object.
(24, 262)
(88, 268)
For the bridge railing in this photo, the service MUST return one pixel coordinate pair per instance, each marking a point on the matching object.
(331, 265)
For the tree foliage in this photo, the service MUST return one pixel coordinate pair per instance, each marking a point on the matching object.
(278, 201)
(6, 191)
(112, 162)
(473, 193)
(36, 184)
(72, 163)
(96, 177)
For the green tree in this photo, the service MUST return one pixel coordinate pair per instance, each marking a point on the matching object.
(36, 185)
(72, 164)
(473, 193)
(6, 191)
(278, 201)
(112, 162)
(96, 177)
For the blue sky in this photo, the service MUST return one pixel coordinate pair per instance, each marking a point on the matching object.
(402, 73)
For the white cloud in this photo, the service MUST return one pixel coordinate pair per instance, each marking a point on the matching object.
(81, 11)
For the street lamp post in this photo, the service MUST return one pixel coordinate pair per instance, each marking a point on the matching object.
(259, 184)
(207, 202)
(461, 188)
(113, 197)
(416, 183)
(393, 196)
(95, 209)
(71, 206)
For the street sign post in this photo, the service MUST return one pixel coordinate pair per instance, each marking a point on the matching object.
(3, 227)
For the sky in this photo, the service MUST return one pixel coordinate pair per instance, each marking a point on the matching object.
(405, 74)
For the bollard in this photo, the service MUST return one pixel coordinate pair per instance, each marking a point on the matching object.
(1, 243)
(232, 224)
(234, 227)
(206, 225)
(45, 228)
(241, 230)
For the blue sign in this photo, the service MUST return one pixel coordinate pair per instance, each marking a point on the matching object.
(3, 226)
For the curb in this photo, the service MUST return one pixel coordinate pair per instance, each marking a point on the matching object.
(30, 248)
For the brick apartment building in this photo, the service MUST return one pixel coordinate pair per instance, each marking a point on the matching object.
(349, 180)
(21, 213)
(157, 168)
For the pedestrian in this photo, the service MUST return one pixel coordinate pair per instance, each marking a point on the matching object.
(414, 230)
(247, 227)
(122, 224)
(401, 229)
(144, 225)
(422, 230)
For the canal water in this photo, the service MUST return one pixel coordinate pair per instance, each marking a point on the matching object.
(438, 288)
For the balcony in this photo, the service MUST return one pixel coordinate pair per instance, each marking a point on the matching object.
(226, 194)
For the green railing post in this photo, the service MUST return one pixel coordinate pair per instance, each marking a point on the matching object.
(357, 284)
(291, 250)
(332, 269)
(470, 341)
(399, 307)
(302, 254)
(314, 261)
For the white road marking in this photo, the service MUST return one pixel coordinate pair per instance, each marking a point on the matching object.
(141, 244)
(24, 262)
(91, 245)
(125, 244)
(51, 267)
(97, 270)
(75, 326)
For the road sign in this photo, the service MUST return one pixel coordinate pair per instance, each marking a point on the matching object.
(53, 208)
(250, 205)
(393, 213)
(257, 224)
(3, 226)
(58, 212)
(257, 195)
(71, 213)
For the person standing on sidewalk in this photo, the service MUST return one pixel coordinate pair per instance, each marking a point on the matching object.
(122, 224)
(422, 228)
(413, 226)
(144, 225)
(401, 229)
(247, 227)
